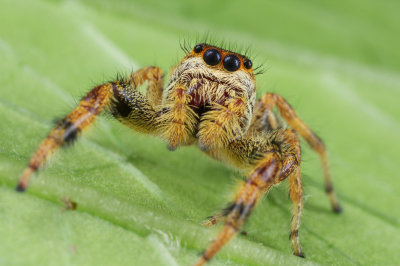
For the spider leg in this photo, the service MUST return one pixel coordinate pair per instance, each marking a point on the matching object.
(268, 101)
(296, 195)
(258, 182)
(291, 169)
(119, 98)
(263, 118)
(272, 158)
(131, 107)
(154, 77)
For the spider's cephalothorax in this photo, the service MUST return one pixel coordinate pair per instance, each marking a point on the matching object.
(210, 96)
(209, 101)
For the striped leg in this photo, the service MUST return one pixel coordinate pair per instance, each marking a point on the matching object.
(296, 195)
(275, 157)
(154, 76)
(66, 131)
(291, 169)
(270, 100)
(264, 118)
(261, 179)
(119, 98)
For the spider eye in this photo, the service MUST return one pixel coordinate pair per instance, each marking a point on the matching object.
(198, 48)
(212, 57)
(231, 62)
(247, 63)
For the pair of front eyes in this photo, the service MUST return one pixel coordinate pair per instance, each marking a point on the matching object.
(231, 62)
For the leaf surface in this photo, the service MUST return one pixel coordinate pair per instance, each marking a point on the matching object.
(140, 204)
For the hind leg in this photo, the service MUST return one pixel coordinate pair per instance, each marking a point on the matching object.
(266, 103)
(296, 195)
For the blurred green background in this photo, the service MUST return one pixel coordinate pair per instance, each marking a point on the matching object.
(336, 62)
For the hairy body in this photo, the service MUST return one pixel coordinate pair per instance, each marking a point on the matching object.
(210, 101)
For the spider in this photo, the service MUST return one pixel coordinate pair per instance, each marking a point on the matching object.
(210, 101)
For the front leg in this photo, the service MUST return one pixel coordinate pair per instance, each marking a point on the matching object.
(262, 178)
(120, 98)
(272, 158)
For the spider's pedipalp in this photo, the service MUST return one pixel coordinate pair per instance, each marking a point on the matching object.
(222, 124)
(178, 121)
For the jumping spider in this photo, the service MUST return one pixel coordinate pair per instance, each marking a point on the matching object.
(210, 101)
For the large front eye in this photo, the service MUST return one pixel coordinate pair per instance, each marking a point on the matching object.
(212, 57)
(231, 62)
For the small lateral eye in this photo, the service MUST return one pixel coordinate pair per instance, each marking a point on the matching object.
(198, 48)
(231, 62)
(247, 63)
(212, 57)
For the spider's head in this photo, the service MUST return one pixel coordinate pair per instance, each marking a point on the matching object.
(213, 75)
(222, 60)
(211, 88)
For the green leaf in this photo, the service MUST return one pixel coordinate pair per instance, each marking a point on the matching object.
(336, 63)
